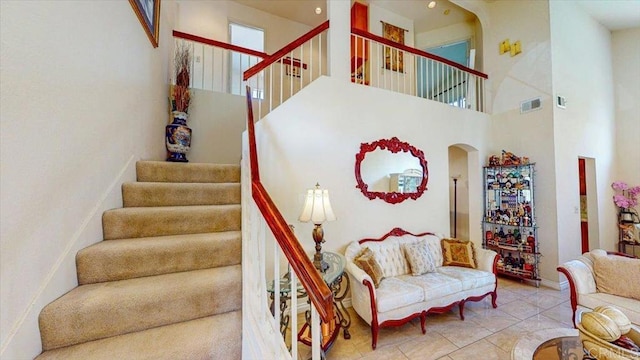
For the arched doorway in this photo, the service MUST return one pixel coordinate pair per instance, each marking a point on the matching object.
(464, 185)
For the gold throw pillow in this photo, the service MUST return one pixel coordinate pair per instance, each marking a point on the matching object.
(458, 253)
(367, 262)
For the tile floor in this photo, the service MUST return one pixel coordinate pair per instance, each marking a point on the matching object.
(486, 333)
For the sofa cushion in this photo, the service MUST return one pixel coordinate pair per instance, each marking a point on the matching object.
(390, 257)
(394, 293)
(367, 262)
(419, 258)
(615, 275)
(458, 253)
(435, 285)
(470, 278)
(628, 306)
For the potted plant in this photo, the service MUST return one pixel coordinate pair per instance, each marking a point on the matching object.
(178, 135)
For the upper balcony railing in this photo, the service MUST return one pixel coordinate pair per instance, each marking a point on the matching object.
(382, 63)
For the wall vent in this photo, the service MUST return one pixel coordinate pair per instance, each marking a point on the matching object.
(530, 105)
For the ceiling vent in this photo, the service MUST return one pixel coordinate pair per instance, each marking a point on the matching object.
(530, 105)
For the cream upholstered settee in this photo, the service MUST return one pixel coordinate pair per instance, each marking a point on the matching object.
(600, 278)
(401, 296)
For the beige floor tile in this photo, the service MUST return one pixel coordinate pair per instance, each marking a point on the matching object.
(482, 349)
(486, 333)
(463, 333)
(429, 347)
(520, 309)
(385, 353)
(493, 320)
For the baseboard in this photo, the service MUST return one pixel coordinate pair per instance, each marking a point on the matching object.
(25, 332)
(554, 284)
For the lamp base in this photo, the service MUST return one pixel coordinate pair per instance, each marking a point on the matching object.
(318, 238)
(319, 263)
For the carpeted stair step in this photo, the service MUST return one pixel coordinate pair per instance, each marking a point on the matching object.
(113, 260)
(163, 171)
(214, 337)
(97, 311)
(142, 194)
(138, 222)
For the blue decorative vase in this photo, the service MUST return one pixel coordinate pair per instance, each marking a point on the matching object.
(178, 137)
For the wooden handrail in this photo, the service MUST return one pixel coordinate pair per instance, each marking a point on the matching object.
(219, 44)
(317, 290)
(287, 49)
(387, 42)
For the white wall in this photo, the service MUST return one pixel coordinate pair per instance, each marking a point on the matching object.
(586, 127)
(210, 19)
(516, 79)
(625, 46)
(295, 153)
(217, 121)
(446, 35)
(83, 97)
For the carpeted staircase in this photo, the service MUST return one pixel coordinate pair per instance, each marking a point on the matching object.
(166, 282)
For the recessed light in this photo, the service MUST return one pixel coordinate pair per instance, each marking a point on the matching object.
(431, 4)
(318, 11)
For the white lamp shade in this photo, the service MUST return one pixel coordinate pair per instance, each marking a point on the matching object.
(317, 207)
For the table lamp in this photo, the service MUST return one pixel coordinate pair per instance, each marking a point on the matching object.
(317, 209)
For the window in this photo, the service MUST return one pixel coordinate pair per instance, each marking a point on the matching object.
(251, 38)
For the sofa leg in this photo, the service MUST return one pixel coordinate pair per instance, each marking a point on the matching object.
(374, 336)
(461, 307)
(494, 298)
(423, 320)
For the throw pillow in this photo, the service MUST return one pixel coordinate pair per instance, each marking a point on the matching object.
(367, 262)
(458, 253)
(617, 275)
(419, 258)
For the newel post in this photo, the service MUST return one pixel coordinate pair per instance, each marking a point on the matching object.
(339, 15)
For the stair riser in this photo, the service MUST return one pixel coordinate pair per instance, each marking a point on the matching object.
(132, 258)
(123, 224)
(114, 308)
(162, 171)
(168, 194)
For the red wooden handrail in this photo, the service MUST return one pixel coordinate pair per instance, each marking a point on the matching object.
(220, 44)
(316, 288)
(287, 49)
(387, 42)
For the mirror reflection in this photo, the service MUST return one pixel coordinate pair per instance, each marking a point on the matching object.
(384, 171)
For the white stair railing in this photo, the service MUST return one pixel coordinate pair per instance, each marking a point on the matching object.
(218, 66)
(270, 303)
(290, 69)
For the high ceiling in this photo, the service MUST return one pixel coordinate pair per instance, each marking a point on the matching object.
(613, 14)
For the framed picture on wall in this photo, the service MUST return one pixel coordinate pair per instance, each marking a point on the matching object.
(148, 12)
(393, 58)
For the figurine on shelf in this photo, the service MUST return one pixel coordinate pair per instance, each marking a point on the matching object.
(531, 241)
(508, 158)
(494, 160)
(509, 261)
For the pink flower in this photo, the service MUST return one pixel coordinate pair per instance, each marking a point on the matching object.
(619, 185)
(628, 196)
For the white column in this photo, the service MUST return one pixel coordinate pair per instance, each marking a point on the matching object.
(339, 15)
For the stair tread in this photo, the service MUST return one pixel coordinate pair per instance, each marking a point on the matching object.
(100, 310)
(163, 171)
(138, 257)
(213, 337)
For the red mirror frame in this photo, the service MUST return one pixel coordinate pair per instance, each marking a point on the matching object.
(393, 145)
